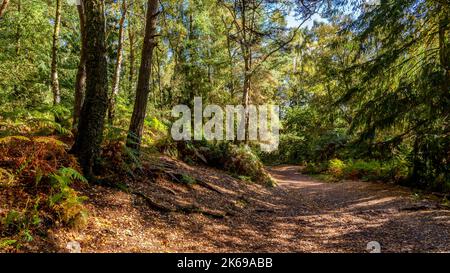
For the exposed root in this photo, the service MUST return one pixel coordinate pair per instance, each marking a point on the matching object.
(184, 209)
(173, 171)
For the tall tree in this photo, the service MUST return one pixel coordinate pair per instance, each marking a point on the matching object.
(131, 38)
(3, 7)
(80, 81)
(55, 48)
(403, 75)
(142, 91)
(118, 67)
(91, 124)
(256, 29)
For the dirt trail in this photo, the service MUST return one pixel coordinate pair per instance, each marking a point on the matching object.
(346, 216)
(300, 215)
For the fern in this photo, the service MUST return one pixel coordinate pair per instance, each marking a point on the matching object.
(65, 200)
(8, 139)
(23, 120)
(7, 178)
(4, 243)
(72, 174)
(50, 140)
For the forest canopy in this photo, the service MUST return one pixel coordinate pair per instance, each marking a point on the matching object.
(366, 84)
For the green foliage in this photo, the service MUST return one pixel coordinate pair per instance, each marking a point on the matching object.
(188, 180)
(315, 167)
(6, 243)
(373, 88)
(336, 167)
(25, 58)
(65, 200)
(307, 136)
(40, 120)
(366, 170)
(7, 178)
(22, 222)
(243, 161)
(245, 178)
(239, 160)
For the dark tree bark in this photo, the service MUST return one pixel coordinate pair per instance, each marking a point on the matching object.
(80, 82)
(3, 7)
(142, 90)
(92, 118)
(118, 67)
(55, 47)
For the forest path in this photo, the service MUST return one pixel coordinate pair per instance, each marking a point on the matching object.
(346, 216)
(301, 214)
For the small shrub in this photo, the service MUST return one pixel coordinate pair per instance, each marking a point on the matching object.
(315, 168)
(38, 155)
(167, 146)
(336, 167)
(242, 161)
(245, 178)
(238, 160)
(188, 180)
(119, 160)
(365, 170)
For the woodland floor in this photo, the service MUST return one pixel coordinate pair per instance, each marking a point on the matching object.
(300, 215)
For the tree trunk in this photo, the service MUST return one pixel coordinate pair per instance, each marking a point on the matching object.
(92, 118)
(246, 97)
(131, 38)
(158, 66)
(142, 90)
(80, 82)
(3, 7)
(118, 68)
(54, 67)
(231, 64)
(132, 58)
(246, 52)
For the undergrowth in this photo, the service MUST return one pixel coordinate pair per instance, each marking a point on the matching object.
(38, 181)
(239, 160)
(366, 170)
